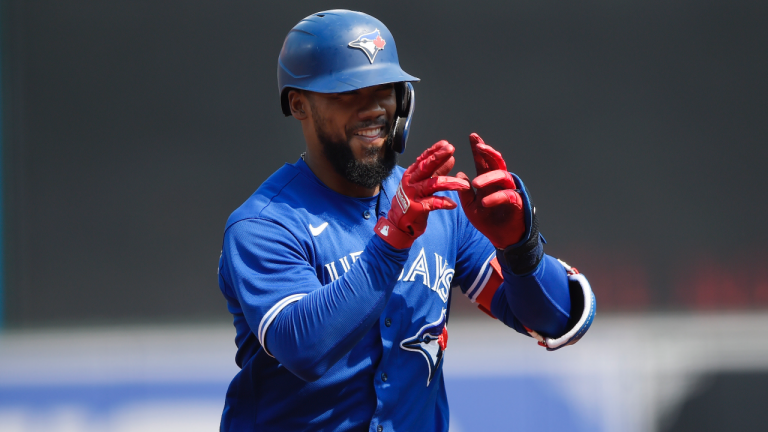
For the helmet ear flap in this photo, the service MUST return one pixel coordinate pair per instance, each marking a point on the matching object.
(403, 98)
(406, 101)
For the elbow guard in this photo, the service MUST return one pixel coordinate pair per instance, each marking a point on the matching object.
(582, 312)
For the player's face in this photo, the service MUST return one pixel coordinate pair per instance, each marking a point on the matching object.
(353, 128)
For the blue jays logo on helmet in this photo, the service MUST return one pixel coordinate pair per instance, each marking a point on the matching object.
(370, 43)
(323, 53)
(430, 341)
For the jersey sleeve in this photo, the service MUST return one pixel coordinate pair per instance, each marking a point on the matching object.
(475, 261)
(551, 303)
(263, 267)
(541, 300)
(305, 325)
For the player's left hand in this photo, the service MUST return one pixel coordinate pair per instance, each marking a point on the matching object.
(496, 209)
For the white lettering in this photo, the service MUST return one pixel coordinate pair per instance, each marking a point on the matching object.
(332, 271)
(355, 256)
(443, 279)
(419, 267)
(344, 263)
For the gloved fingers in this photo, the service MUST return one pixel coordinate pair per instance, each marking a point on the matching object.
(499, 179)
(502, 197)
(445, 168)
(424, 155)
(436, 202)
(481, 166)
(442, 183)
(492, 157)
(486, 157)
(431, 160)
(467, 196)
(442, 144)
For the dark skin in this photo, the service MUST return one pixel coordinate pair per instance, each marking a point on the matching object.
(357, 116)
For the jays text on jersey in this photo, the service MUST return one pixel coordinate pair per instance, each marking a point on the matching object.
(337, 330)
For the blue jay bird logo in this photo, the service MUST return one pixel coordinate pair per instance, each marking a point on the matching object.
(370, 43)
(430, 341)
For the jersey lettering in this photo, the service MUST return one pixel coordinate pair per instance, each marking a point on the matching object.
(417, 272)
(419, 267)
(355, 255)
(332, 271)
(344, 264)
(443, 279)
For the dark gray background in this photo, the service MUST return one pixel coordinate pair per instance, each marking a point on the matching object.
(133, 129)
(723, 401)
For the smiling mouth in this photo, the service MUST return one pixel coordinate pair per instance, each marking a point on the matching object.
(369, 133)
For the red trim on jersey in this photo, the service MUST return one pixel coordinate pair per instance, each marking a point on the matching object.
(486, 311)
(494, 282)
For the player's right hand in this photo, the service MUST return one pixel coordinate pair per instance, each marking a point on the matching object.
(407, 217)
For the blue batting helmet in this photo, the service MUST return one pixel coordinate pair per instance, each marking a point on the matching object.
(340, 50)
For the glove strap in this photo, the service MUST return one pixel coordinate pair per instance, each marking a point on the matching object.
(392, 234)
(523, 259)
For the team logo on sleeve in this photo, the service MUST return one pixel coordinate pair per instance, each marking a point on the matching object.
(430, 341)
(370, 43)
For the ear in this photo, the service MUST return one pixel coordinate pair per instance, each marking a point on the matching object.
(298, 103)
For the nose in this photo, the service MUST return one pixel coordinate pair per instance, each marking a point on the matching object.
(372, 108)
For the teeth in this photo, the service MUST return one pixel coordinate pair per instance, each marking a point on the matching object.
(369, 132)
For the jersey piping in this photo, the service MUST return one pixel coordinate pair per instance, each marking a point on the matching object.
(270, 316)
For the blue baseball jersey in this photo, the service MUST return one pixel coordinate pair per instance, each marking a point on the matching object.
(336, 329)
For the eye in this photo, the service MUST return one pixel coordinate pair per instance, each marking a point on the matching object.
(346, 95)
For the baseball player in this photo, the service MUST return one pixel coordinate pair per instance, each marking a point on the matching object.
(340, 269)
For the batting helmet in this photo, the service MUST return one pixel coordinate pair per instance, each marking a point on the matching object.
(338, 51)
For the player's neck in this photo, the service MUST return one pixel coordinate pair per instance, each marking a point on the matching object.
(324, 171)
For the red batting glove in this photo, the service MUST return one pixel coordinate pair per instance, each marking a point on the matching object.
(407, 218)
(496, 210)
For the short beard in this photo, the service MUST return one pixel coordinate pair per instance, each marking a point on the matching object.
(366, 173)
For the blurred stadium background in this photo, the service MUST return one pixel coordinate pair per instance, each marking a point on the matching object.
(130, 131)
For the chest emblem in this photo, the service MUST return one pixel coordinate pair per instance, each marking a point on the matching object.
(430, 341)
